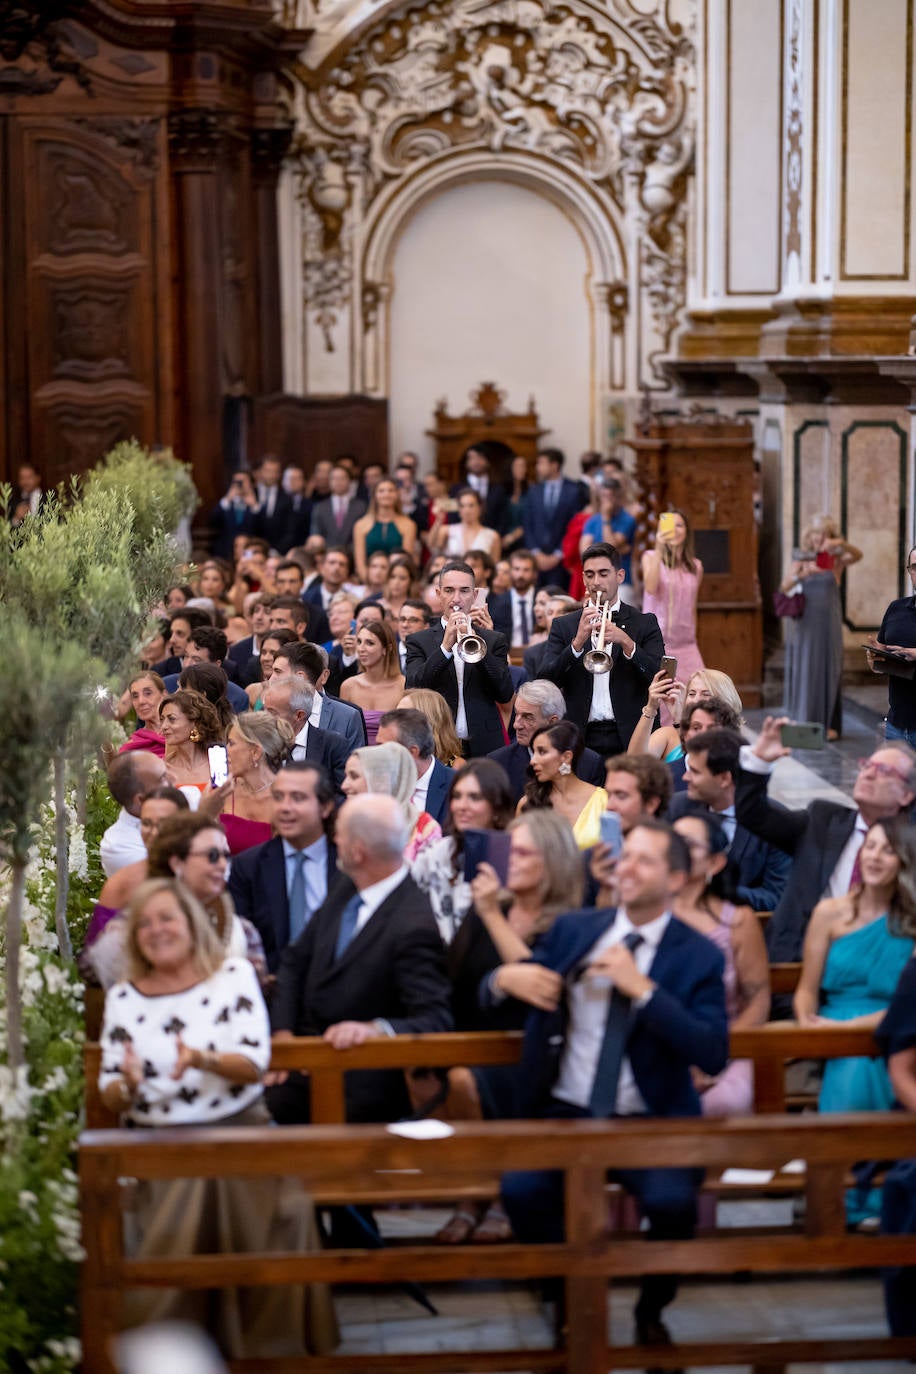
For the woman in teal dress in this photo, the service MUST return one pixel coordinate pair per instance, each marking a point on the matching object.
(384, 528)
(856, 948)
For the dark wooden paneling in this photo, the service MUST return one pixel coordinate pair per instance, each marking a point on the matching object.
(306, 429)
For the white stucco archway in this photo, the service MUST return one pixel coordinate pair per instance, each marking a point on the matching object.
(591, 213)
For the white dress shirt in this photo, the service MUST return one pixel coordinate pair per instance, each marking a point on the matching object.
(518, 635)
(461, 715)
(602, 707)
(300, 741)
(419, 794)
(588, 1003)
(121, 844)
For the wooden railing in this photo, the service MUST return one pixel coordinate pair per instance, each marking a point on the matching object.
(770, 1047)
(338, 1159)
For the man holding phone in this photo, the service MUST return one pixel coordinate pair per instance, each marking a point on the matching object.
(610, 703)
(824, 839)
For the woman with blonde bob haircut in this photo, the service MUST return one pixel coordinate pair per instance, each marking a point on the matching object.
(435, 708)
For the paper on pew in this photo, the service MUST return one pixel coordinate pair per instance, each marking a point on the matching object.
(747, 1176)
(794, 1166)
(430, 1129)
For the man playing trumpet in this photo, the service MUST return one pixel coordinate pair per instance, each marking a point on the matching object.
(604, 657)
(472, 677)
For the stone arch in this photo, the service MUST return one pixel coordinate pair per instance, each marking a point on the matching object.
(592, 214)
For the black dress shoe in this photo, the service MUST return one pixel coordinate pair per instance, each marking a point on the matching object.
(651, 1330)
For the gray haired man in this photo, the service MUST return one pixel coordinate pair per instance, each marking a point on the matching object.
(540, 703)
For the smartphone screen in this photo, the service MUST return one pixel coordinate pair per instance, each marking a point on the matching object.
(802, 735)
(486, 847)
(218, 760)
(611, 831)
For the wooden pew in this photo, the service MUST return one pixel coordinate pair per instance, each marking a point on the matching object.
(333, 1159)
(770, 1047)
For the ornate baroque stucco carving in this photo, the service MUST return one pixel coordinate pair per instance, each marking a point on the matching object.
(602, 91)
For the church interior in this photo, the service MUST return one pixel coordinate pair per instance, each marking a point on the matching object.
(675, 233)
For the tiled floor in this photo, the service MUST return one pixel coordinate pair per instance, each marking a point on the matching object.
(829, 772)
(497, 1316)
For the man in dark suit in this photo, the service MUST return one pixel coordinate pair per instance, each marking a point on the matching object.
(824, 839)
(434, 780)
(471, 690)
(301, 618)
(335, 517)
(299, 521)
(280, 885)
(512, 612)
(638, 1000)
(370, 962)
(291, 699)
(274, 506)
(246, 653)
(551, 504)
(493, 498)
(760, 870)
(608, 704)
(336, 568)
(540, 703)
(311, 660)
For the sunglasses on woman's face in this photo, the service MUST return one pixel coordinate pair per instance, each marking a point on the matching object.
(210, 856)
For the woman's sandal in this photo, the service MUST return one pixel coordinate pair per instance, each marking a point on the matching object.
(458, 1229)
(495, 1228)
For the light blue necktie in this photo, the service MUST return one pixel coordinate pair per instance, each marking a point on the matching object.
(297, 912)
(348, 919)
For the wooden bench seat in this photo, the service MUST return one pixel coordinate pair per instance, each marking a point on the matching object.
(342, 1159)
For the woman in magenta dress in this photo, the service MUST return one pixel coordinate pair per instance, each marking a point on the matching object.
(146, 692)
(671, 575)
(258, 745)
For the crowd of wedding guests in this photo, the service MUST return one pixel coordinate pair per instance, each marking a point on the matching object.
(373, 785)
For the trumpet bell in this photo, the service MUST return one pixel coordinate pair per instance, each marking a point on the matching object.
(471, 649)
(597, 661)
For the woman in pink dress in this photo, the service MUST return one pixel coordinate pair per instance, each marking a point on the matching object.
(735, 930)
(671, 575)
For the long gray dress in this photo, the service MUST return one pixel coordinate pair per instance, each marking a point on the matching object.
(814, 653)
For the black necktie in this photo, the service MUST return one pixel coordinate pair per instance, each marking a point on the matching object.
(523, 616)
(603, 1098)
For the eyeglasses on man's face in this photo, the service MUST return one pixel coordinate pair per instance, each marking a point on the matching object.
(883, 770)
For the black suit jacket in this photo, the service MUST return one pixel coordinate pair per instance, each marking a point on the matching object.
(814, 838)
(495, 513)
(329, 749)
(514, 760)
(544, 530)
(257, 885)
(394, 969)
(759, 870)
(630, 678)
(298, 522)
(273, 527)
(485, 683)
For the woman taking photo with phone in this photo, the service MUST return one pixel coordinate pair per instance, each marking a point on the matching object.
(555, 751)
(814, 640)
(671, 575)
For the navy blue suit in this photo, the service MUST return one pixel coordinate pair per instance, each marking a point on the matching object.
(257, 886)
(684, 1023)
(437, 795)
(760, 870)
(544, 530)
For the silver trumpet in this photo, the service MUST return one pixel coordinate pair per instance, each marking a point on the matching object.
(469, 647)
(598, 660)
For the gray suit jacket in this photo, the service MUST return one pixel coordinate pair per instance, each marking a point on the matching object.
(323, 521)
